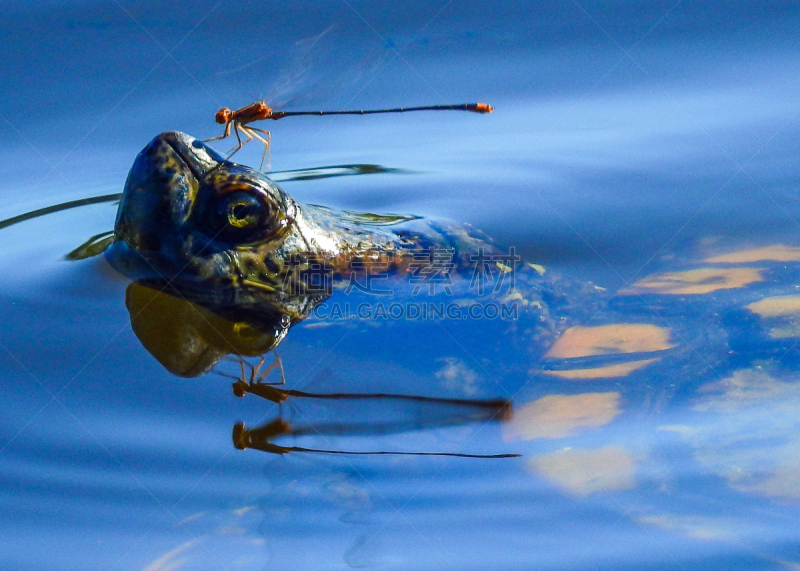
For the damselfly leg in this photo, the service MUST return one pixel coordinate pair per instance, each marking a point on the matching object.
(252, 378)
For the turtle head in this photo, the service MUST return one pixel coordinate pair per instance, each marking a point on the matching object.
(202, 224)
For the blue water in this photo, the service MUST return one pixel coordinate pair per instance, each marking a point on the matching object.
(628, 139)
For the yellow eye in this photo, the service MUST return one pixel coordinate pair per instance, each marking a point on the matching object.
(237, 217)
(243, 214)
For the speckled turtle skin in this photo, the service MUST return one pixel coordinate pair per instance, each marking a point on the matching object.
(171, 227)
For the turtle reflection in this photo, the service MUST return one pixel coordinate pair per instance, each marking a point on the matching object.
(189, 339)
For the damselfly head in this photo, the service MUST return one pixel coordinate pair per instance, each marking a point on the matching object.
(223, 115)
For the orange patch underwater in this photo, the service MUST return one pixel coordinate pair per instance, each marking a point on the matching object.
(774, 253)
(583, 472)
(696, 282)
(557, 416)
(613, 339)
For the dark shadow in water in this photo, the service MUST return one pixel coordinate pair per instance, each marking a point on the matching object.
(59, 208)
(333, 171)
(97, 244)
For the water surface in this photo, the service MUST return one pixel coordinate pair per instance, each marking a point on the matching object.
(629, 141)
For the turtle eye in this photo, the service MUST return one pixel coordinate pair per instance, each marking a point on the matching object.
(238, 217)
(241, 212)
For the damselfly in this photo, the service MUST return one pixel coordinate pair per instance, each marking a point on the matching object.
(240, 119)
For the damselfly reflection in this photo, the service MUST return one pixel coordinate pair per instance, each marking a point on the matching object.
(386, 414)
(499, 409)
(259, 111)
(259, 439)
